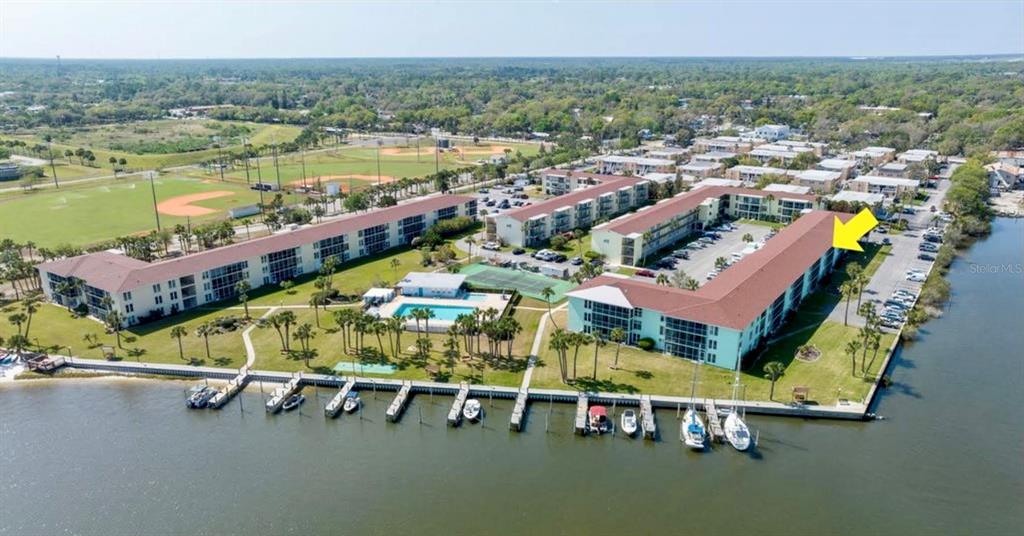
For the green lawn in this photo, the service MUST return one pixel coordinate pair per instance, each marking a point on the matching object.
(328, 343)
(54, 326)
(88, 213)
(762, 223)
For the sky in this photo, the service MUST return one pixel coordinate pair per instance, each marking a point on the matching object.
(485, 28)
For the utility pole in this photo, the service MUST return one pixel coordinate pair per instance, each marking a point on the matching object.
(302, 156)
(53, 169)
(152, 189)
(437, 152)
(220, 161)
(277, 168)
(245, 148)
(379, 143)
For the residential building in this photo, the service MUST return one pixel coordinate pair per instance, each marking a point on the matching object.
(701, 169)
(845, 168)
(660, 178)
(891, 169)
(633, 238)
(562, 181)
(873, 155)
(784, 154)
(713, 156)
(818, 180)
(716, 181)
(634, 165)
(143, 290)
(772, 133)
(732, 144)
(917, 155)
(729, 317)
(599, 197)
(887, 186)
(850, 196)
(753, 174)
(1006, 174)
(787, 188)
(669, 153)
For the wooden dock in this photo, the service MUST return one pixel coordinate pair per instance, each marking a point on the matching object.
(225, 393)
(582, 404)
(714, 423)
(398, 404)
(334, 406)
(455, 414)
(519, 411)
(647, 424)
(281, 394)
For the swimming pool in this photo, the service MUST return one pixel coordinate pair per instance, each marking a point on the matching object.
(475, 296)
(441, 312)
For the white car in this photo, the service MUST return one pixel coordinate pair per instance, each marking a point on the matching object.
(492, 246)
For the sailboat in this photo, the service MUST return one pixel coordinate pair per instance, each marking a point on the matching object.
(736, 431)
(691, 430)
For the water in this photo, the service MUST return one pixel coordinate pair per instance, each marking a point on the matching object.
(441, 312)
(476, 296)
(117, 457)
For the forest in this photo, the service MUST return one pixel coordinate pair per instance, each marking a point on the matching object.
(953, 105)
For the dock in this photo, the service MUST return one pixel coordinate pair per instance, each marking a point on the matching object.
(647, 424)
(226, 393)
(582, 404)
(281, 394)
(334, 406)
(455, 414)
(715, 430)
(398, 404)
(519, 411)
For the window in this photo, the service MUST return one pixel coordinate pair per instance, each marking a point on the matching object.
(172, 284)
(174, 295)
(127, 296)
(281, 265)
(222, 280)
(156, 288)
(129, 308)
(159, 300)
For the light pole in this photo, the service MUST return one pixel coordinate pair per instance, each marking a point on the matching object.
(152, 189)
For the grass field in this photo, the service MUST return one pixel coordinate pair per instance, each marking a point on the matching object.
(116, 140)
(98, 211)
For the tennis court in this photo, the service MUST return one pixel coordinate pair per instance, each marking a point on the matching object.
(528, 284)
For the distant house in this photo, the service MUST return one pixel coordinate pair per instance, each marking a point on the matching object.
(432, 285)
(634, 165)
(1005, 175)
(772, 133)
(892, 169)
(753, 174)
(787, 188)
(713, 156)
(887, 186)
(701, 169)
(874, 155)
(917, 155)
(732, 144)
(818, 180)
(845, 168)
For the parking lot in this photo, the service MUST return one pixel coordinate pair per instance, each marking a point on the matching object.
(702, 260)
(500, 194)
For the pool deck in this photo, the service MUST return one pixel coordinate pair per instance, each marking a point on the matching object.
(436, 324)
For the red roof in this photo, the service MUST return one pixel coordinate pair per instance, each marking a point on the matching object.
(645, 219)
(609, 183)
(119, 273)
(743, 291)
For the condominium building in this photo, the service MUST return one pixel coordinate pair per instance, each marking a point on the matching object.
(597, 197)
(713, 156)
(772, 133)
(142, 290)
(727, 318)
(701, 169)
(892, 169)
(635, 237)
(845, 168)
(818, 180)
(753, 174)
(783, 154)
(887, 186)
(634, 165)
(874, 155)
(917, 155)
(732, 144)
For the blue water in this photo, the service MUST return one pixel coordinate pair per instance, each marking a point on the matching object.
(441, 312)
(475, 296)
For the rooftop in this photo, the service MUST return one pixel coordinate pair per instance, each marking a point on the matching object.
(118, 273)
(818, 175)
(837, 164)
(641, 160)
(788, 188)
(432, 280)
(608, 184)
(885, 181)
(850, 196)
(739, 294)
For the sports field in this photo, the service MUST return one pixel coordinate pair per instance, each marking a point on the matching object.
(528, 284)
(86, 214)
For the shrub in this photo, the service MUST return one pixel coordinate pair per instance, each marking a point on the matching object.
(646, 344)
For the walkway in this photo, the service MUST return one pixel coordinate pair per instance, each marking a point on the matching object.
(538, 340)
(250, 351)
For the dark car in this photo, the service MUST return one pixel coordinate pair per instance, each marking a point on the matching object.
(576, 261)
(645, 273)
(518, 251)
(561, 258)
(926, 257)
(504, 204)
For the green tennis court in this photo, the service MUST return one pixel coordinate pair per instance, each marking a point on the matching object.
(528, 284)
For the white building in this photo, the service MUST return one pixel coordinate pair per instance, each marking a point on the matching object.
(701, 169)
(787, 188)
(846, 168)
(142, 290)
(432, 285)
(887, 186)
(874, 155)
(850, 196)
(772, 133)
(917, 155)
(752, 174)
(818, 180)
(634, 165)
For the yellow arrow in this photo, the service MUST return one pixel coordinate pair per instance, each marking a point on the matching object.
(845, 235)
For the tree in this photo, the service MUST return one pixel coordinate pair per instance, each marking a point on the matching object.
(721, 263)
(317, 300)
(177, 332)
(287, 320)
(598, 343)
(395, 263)
(847, 290)
(559, 343)
(114, 322)
(772, 372)
(547, 293)
(662, 279)
(748, 237)
(204, 330)
(618, 336)
(242, 289)
(304, 333)
(851, 349)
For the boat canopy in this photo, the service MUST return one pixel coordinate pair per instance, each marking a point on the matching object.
(599, 411)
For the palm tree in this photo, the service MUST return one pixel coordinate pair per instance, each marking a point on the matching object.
(114, 322)
(559, 343)
(618, 336)
(720, 263)
(396, 325)
(178, 332)
(317, 300)
(303, 334)
(598, 343)
(395, 263)
(662, 279)
(847, 290)
(851, 349)
(428, 313)
(692, 284)
(343, 318)
(470, 241)
(773, 371)
(17, 320)
(378, 328)
(242, 288)
(274, 321)
(547, 293)
(204, 330)
(578, 340)
(31, 307)
(287, 320)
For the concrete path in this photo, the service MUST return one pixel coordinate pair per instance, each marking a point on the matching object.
(538, 339)
(250, 350)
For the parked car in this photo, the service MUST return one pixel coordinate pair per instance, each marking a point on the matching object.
(645, 273)
(576, 261)
(928, 246)
(926, 257)
(886, 241)
(491, 246)
(504, 204)
(518, 251)
(485, 191)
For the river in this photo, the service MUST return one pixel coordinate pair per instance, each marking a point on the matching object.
(125, 457)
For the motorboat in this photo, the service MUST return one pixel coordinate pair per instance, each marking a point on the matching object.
(629, 422)
(352, 402)
(736, 432)
(472, 410)
(598, 419)
(691, 430)
(294, 401)
(199, 396)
